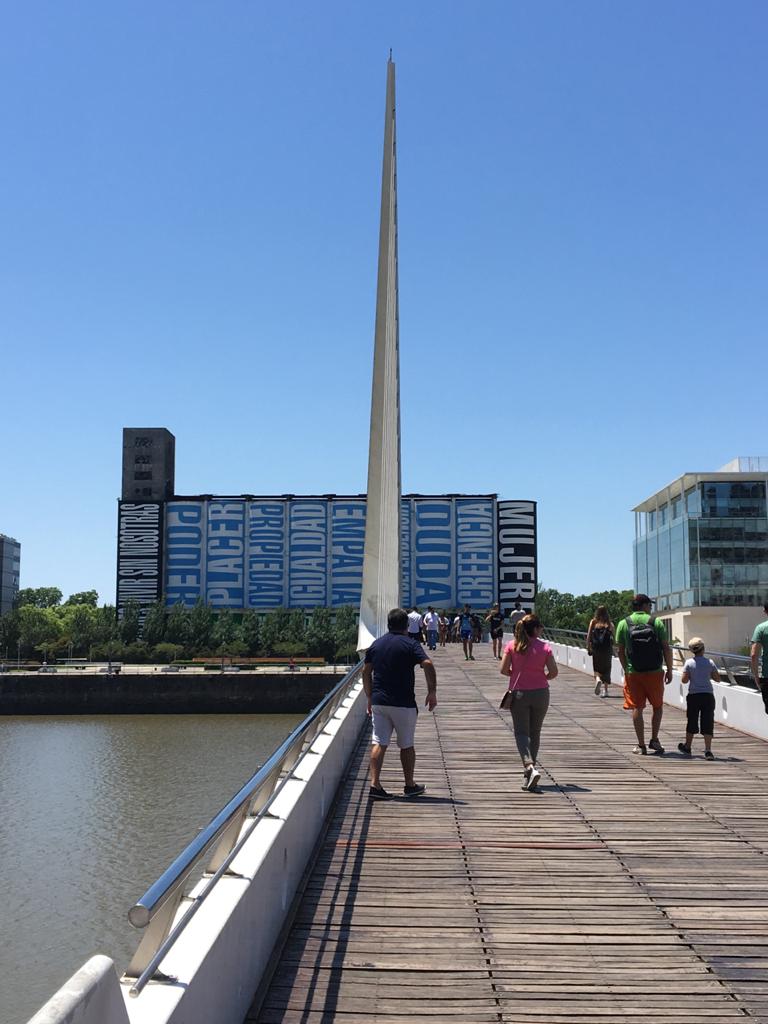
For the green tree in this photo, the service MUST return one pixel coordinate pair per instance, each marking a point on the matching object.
(153, 630)
(201, 620)
(566, 611)
(321, 641)
(274, 629)
(295, 632)
(345, 632)
(618, 603)
(235, 648)
(249, 631)
(105, 625)
(9, 634)
(129, 624)
(556, 610)
(268, 633)
(109, 650)
(80, 626)
(177, 624)
(282, 618)
(224, 631)
(88, 597)
(39, 597)
(167, 652)
(137, 653)
(39, 628)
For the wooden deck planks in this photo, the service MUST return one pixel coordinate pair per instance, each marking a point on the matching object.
(628, 888)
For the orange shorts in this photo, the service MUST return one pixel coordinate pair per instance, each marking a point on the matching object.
(642, 686)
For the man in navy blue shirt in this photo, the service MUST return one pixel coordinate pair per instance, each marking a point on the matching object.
(389, 682)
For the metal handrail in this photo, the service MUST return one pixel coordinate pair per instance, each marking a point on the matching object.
(726, 662)
(156, 909)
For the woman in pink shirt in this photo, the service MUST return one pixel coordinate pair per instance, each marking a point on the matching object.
(530, 664)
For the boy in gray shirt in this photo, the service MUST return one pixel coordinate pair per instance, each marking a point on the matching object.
(699, 672)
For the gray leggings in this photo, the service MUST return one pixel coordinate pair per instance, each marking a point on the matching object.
(529, 708)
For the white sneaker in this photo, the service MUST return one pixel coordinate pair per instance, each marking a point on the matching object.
(533, 780)
(598, 684)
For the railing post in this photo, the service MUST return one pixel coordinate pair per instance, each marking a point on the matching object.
(155, 934)
(228, 839)
(729, 672)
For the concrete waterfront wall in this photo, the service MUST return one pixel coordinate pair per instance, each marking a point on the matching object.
(222, 955)
(91, 995)
(160, 693)
(736, 706)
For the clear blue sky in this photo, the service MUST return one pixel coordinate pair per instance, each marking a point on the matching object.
(189, 216)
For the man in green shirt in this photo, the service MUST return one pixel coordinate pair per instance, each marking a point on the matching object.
(641, 653)
(760, 644)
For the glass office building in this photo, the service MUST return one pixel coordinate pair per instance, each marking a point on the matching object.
(10, 566)
(702, 541)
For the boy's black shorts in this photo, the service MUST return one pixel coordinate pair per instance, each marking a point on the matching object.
(701, 712)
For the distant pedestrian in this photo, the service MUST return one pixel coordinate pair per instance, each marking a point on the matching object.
(699, 672)
(495, 620)
(414, 624)
(431, 625)
(760, 644)
(389, 683)
(600, 636)
(642, 647)
(477, 627)
(444, 627)
(515, 615)
(465, 632)
(530, 664)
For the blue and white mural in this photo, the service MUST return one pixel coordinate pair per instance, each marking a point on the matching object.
(304, 552)
(308, 553)
(475, 552)
(225, 554)
(433, 552)
(267, 549)
(347, 523)
(185, 525)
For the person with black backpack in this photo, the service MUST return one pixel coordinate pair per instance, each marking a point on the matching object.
(600, 645)
(642, 647)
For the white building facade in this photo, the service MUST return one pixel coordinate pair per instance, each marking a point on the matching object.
(701, 551)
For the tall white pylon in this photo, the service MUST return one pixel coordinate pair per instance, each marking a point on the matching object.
(381, 560)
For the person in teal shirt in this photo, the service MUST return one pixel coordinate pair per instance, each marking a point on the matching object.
(760, 644)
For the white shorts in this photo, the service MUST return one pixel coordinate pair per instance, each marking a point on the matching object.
(402, 720)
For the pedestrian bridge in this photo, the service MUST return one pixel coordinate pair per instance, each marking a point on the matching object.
(629, 888)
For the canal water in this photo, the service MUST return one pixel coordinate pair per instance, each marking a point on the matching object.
(93, 809)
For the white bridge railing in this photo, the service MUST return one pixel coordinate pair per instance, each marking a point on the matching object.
(737, 706)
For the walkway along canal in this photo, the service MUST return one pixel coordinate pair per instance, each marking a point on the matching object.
(631, 888)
